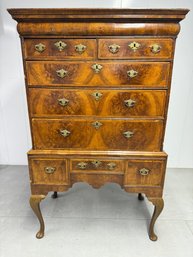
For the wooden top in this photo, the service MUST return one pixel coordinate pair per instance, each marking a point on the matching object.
(98, 15)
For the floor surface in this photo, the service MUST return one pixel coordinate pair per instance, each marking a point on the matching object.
(96, 223)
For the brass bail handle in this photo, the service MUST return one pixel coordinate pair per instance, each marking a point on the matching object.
(49, 170)
(144, 171)
(80, 48)
(62, 73)
(64, 132)
(114, 48)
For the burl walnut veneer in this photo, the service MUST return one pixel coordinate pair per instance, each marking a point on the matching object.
(98, 84)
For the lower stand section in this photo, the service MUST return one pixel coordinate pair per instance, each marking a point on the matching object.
(35, 205)
(157, 202)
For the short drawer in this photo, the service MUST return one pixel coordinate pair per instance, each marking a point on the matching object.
(97, 166)
(119, 103)
(145, 172)
(105, 134)
(106, 74)
(48, 171)
(42, 49)
(135, 48)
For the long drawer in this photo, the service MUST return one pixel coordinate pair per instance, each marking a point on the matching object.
(105, 134)
(120, 73)
(119, 103)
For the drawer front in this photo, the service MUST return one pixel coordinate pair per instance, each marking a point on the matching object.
(139, 135)
(145, 172)
(59, 49)
(143, 74)
(135, 48)
(48, 171)
(119, 103)
(97, 166)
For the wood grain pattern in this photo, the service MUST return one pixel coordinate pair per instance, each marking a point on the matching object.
(94, 14)
(98, 179)
(143, 52)
(51, 51)
(154, 178)
(39, 176)
(44, 102)
(97, 29)
(109, 136)
(113, 73)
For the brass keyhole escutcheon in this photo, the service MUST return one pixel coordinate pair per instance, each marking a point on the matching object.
(97, 95)
(96, 163)
(97, 124)
(144, 171)
(97, 67)
(134, 46)
(60, 45)
(40, 47)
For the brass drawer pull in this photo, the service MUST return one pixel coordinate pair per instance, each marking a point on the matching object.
(40, 47)
(111, 165)
(65, 132)
(62, 73)
(63, 101)
(155, 48)
(134, 46)
(144, 171)
(97, 124)
(82, 165)
(80, 48)
(128, 134)
(114, 48)
(96, 163)
(60, 45)
(132, 73)
(129, 103)
(97, 95)
(49, 170)
(97, 67)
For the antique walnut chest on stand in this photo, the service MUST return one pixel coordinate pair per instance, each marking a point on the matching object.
(98, 84)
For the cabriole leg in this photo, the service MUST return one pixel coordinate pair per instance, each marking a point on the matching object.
(159, 204)
(35, 205)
